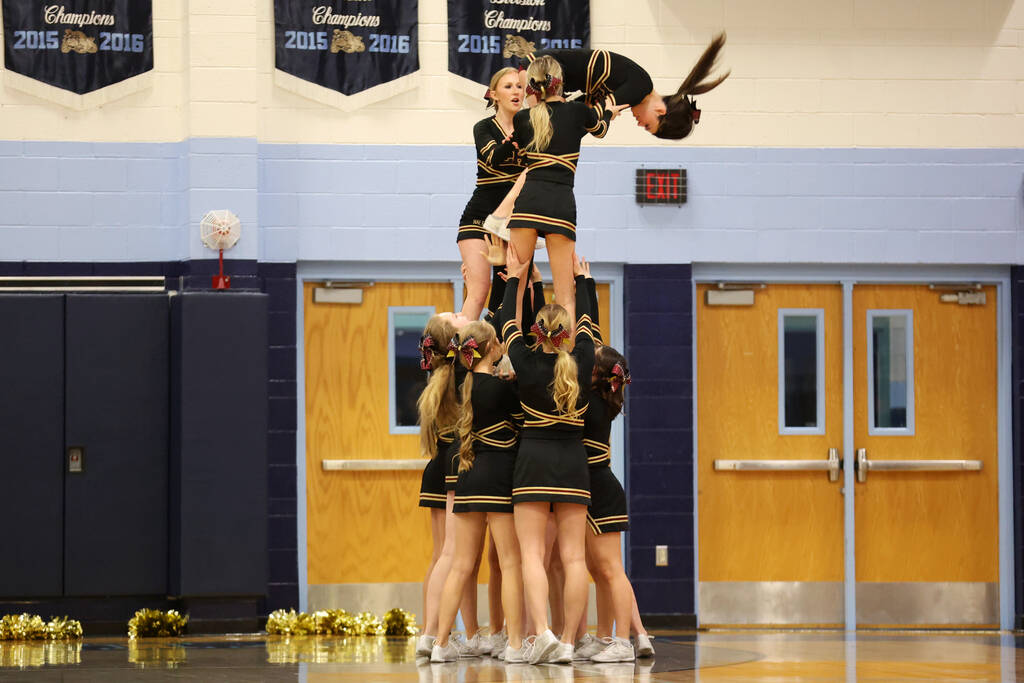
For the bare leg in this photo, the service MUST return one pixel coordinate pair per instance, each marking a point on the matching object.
(607, 556)
(503, 533)
(468, 606)
(437, 534)
(523, 241)
(560, 250)
(637, 625)
(556, 585)
(494, 586)
(478, 277)
(441, 568)
(504, 209)
(572, 529)
(469, 529)
(530, 522)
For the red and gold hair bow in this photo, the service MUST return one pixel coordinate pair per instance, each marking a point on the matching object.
(555, 338)
(619, 377)
(427, 346)
(469, 350)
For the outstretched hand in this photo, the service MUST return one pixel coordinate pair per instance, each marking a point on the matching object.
(577, 268)
(615, 109)
(495, 252)
(585, 268)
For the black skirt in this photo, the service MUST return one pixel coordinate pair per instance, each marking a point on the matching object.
(607, 510)
(551, 468)
(484, 201)
(451, 459)
(547, 207)
(487, 486)
(432, 493)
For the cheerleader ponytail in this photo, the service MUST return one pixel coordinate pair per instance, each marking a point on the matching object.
(681, 111)
(436, 404)
(611, 375)
(552, 332)
(465, 426)
(544, 78)
(472, 346)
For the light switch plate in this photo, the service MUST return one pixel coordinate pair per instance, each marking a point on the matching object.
(661, 556)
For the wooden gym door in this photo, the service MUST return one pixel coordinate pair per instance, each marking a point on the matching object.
(769, 388)
(925, 398)
(364, 527)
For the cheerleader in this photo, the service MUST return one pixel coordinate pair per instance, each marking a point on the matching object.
(438, 413)
(488, 430)
(497, 169)
(602, 75)
(551, 465)
(548, 137)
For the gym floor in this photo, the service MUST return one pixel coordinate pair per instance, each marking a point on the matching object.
(818, 656)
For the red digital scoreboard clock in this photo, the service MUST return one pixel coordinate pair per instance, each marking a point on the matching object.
(661, 186)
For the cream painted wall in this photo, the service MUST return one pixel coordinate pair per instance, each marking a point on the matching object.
(806, 73)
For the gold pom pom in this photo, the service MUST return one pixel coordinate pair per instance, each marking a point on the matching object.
(62, 628)
(290, 623)
(367, 624)
(149, 623)
(334, 622)
(398, 622)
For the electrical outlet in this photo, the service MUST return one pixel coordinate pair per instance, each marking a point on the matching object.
(661, 556)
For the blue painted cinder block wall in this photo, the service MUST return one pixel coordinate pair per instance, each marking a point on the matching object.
(659, 435)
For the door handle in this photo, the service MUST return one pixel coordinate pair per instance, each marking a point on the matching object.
(863, 465)
(832, 465)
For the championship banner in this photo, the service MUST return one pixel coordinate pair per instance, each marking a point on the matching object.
(485, 35)
(346, 53)
(70, 51)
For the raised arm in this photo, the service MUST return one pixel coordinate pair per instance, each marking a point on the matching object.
(584, 342)
(595, 310)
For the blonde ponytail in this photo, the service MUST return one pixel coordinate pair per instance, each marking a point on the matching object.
(545, 78)
(474, 343)
(565, 387)
(436, 407)
(540, 119)
(465, 426)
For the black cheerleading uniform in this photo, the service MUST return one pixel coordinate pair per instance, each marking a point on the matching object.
(546, 203)
(607, 512)
(551, 464)
(451, 453)
(497, 419)
(432, 490)
(497, 167)
(601, 75)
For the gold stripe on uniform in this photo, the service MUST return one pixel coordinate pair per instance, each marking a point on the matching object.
(542, 419)
(544, 220)
(526, 490)
(436, 497)
(597, 76)
(566, 160)
(604, 451)
(483, 499)
(593, 525)
(611, 519)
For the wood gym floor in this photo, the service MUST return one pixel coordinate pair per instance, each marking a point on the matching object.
(817, 656)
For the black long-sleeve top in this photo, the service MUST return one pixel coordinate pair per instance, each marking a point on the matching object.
(535, 370)
(597, 429)
(497, 415)
(497, 162)
(530, 304)
(570, 122)
(601, 74)
(595, 311)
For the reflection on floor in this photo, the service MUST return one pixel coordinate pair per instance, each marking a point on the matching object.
(682, 656)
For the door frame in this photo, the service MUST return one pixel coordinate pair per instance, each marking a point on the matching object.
(846, 276)
(410, 271)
